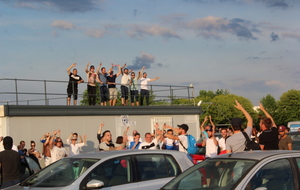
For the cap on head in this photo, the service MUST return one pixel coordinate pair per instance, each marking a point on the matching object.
(236, 122)
(184, 127)
(281, 128)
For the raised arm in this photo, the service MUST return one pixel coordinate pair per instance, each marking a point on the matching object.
(119, 70)
(123, 68)
(98, 68)
(111, 68)
(141, 72)
(154, 79)
(261, 107)
(246, 114)
(203, 124)
(213, 130)
(87, 67)
(69, 69)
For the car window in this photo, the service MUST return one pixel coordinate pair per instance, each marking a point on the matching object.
(113, 172)
(221, 174)
(60, 174)
(156, 166)
(276, 175)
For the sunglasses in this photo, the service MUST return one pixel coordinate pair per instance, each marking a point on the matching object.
(74, 139)
(208, 130)
(58, 141)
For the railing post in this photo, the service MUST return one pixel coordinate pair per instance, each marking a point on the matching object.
(45, 91)
(16, 87)
(171, 95)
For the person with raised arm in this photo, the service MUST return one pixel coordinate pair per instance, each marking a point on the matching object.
(236, 142)
(74, 80)
(74, 146)
(125, 81)
(103, 84)
(111, 81)
(211, 142)
(144, 86)
(268, 139)
(91, 86)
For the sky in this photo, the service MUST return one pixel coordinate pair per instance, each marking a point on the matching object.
(250, 47)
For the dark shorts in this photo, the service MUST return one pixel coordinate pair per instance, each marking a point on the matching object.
(70, 93)
(124, 92)
(104, 93)
(134, 94)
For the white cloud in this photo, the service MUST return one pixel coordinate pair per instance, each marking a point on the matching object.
(275, 83)
(63, 25)
(96, 33)
(151, 30)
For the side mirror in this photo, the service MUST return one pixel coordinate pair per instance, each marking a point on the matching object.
(94, 184)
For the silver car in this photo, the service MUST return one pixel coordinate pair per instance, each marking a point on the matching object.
(122, 169)
(251, 170)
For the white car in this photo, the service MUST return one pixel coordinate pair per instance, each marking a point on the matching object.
(248, 170)
(122, 169)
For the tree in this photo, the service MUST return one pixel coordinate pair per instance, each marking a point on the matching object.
(288, 107)
(222, 108)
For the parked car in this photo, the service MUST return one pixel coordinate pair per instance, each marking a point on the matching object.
(122, 169)
(295, 136)
(28, 167)
(251, 170)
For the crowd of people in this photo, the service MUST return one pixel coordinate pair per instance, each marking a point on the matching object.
(270, 137)
(107, 83)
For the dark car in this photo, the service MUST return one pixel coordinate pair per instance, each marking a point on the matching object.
(295, 136)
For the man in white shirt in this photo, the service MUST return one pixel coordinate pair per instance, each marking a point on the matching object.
(74, 146)
(182, 138)
(144, 87)
(125, 81)
(149, 142)
(222, 141)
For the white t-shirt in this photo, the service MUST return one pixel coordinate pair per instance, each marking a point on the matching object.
(222, 144)
(183, 140)
(144, 83)
(74, 149)
(211, 148)
(125, 80)
(152, 145)
(57, 153)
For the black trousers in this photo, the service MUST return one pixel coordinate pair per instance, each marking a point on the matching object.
(144, 93)
(91, 94)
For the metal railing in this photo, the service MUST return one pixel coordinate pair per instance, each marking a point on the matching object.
(52, 92)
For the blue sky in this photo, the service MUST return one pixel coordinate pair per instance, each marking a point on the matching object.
(250, 47)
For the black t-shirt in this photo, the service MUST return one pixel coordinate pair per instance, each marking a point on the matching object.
(74, 79)
(269, 138)
(111, 79)
(10, 162)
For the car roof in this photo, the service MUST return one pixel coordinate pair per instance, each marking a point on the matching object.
(118, 153)
(258, 154)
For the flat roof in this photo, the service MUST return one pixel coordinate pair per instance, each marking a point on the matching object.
(46, 110)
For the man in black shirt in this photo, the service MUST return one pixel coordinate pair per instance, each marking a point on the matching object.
(10, 162)
(74, 80)
(268, 139)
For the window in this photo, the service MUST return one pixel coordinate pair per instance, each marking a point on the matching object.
(113, 172)
(276, 175)
(157, 166)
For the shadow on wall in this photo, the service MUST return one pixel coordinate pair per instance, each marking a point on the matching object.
(89, 148)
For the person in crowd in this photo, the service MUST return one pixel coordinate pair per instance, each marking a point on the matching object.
(74, 146)
(181, 138)
(170, 144)
(134, 89)
(74, 80)
(268, 139)
(91, 86)
(210, 142)
(22, 150)
(144, 87)
(285, 141)
(111, 81)
(47, 149)
(99, 137)
(10, 162)
(222, 140)
(236, 142)
(34, 153)
(135, 144)
(255, 134)
(58, 150)
(107, 143)
(125, 81)
(119, 141)
(103, 84)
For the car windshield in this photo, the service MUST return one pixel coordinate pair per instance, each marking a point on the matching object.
(217, 174)
(59, 174)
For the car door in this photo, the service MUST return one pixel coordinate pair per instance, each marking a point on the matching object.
(115, 174)
(155, 170)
